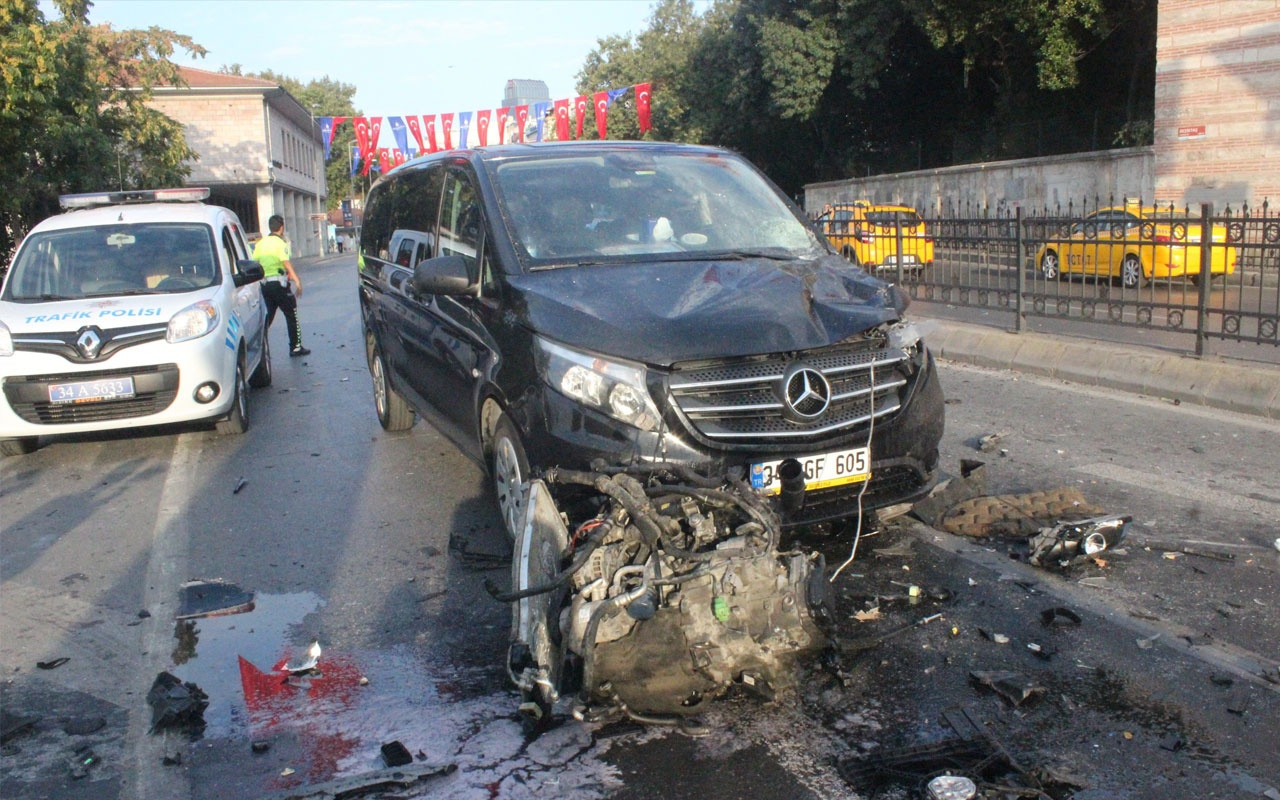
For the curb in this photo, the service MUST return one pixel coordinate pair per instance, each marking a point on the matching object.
(1208, 381)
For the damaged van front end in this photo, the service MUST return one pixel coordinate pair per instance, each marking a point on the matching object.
(664, 592)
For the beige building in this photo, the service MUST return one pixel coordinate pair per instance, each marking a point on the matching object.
(1217, 122)
(260, 151)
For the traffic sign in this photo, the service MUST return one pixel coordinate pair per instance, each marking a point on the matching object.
(319, 216)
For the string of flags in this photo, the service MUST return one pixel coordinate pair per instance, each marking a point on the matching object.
(434, 132)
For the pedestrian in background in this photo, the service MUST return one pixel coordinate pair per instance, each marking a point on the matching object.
(280, 282)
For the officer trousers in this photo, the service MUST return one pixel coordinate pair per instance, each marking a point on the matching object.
(277, 295)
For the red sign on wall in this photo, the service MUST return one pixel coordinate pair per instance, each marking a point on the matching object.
(1191, 132)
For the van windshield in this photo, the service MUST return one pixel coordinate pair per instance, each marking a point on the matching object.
(107, 260)
(613, 207)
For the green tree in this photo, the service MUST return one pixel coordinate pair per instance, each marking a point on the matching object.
(74, 114)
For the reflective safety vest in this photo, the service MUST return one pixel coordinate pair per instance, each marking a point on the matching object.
(271, 253)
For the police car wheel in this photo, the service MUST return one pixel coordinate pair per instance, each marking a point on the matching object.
(237, 420)
(20, 446)
(261, 377)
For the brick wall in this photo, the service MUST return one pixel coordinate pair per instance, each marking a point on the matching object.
(1217, 109)
(227, 131)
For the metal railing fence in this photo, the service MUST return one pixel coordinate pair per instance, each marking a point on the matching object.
(1122, 263)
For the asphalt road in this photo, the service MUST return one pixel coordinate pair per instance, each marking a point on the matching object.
(377, 544)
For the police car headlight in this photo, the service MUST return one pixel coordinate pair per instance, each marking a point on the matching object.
(616, 388)
(192, 322)
(6, 340)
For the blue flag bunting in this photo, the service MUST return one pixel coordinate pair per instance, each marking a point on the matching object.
(464, 126)
(540, 112)
(326, 134)
(401, 132)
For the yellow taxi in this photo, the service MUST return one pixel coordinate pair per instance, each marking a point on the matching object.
(1135, 244)
(867, 235)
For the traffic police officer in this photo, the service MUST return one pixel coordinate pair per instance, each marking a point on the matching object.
(273, 253)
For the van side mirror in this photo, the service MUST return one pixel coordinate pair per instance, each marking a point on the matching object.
(247, 271)
(446, 275)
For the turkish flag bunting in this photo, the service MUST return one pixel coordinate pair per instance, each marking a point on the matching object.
(642, 106)
(522, 116)
(384, 159)
(482, 122)
(580, 110)
(446, 122)
(602, 113)
(416, 129)
(562, 119)
(375, 130)
(397, 156)
(362, 139)
(430, 120)
(502, 115)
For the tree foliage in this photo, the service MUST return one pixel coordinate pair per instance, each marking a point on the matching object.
(74, 114)
(825, 89)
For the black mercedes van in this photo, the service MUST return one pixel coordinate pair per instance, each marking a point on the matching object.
(638, 304)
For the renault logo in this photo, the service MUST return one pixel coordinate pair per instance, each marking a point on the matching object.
(89, 342)
(805, 392)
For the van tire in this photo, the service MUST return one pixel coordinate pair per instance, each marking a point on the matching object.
(237, 421)
(261, 377)
(20, 446)
(508, 471)
(394, 414)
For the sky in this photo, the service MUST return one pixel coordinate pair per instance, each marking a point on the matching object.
(404, 57)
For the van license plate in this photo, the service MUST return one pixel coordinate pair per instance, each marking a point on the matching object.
(91, 391)
(820, 471)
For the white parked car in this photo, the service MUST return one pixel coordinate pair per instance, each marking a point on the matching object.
(130, 309)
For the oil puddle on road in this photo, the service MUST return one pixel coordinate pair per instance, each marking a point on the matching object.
(331, 722)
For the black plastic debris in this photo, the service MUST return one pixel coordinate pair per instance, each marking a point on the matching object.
(1173, 743)
(1070, 543)
(1014, 687)
(211, 598)
(14, 725)
(174, 760)
(175, 704)
(240, 484)
(1059, 616)
(52, 663)
(83, 726)
(395, 754)
(260, 746)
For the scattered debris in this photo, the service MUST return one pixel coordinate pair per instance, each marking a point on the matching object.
(989, 442)
(83, 726)
(1094, 583)
(395, 754)
(951, 787)
(144, 614)
(998, 638)
(240, 484)
(1059, 616)
(287, 771)
(972, 482)
(211, 598)
(84, 760)
(1016, 515)
(1070, 543)
(1173, 743)
(867, 615)
(305, 662)
(405, 777)
(175, 704)
(1014, 687)
(174, 760)
(260, 746)
(1145, 644)
(52, 663)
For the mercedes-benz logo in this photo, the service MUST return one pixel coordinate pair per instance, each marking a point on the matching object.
(88, 342)
(805, 392)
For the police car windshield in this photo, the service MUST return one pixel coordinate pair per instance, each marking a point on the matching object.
(594, 208)
(114, 260)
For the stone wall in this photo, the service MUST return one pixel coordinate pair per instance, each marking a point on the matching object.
(226, 130)
(1030, 183)
(1217, 120)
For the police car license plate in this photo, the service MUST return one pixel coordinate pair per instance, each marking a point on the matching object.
(820, 471)
(91, 391)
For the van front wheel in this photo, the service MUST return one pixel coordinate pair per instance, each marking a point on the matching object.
(508, 469)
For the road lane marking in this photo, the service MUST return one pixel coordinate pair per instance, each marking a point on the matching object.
(166, 568)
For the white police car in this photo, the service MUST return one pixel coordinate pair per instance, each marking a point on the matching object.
(130, 309)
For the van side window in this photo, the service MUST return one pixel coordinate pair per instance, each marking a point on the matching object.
(461, 220)
(415, 205)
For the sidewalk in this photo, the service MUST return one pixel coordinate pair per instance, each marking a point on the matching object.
(1208, 381)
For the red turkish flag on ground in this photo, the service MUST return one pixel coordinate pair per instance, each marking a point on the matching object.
(362, 140)
(602, 113)
(446, 122)
(416, 130)
(430, 120)
(562, 119)
(580, 104)
(642, 106)
(503, 113)
(482, 124)
(522, 116)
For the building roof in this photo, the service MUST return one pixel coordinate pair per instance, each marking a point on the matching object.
(204, 79)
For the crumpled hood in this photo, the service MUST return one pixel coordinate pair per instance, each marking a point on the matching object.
(662, 313)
